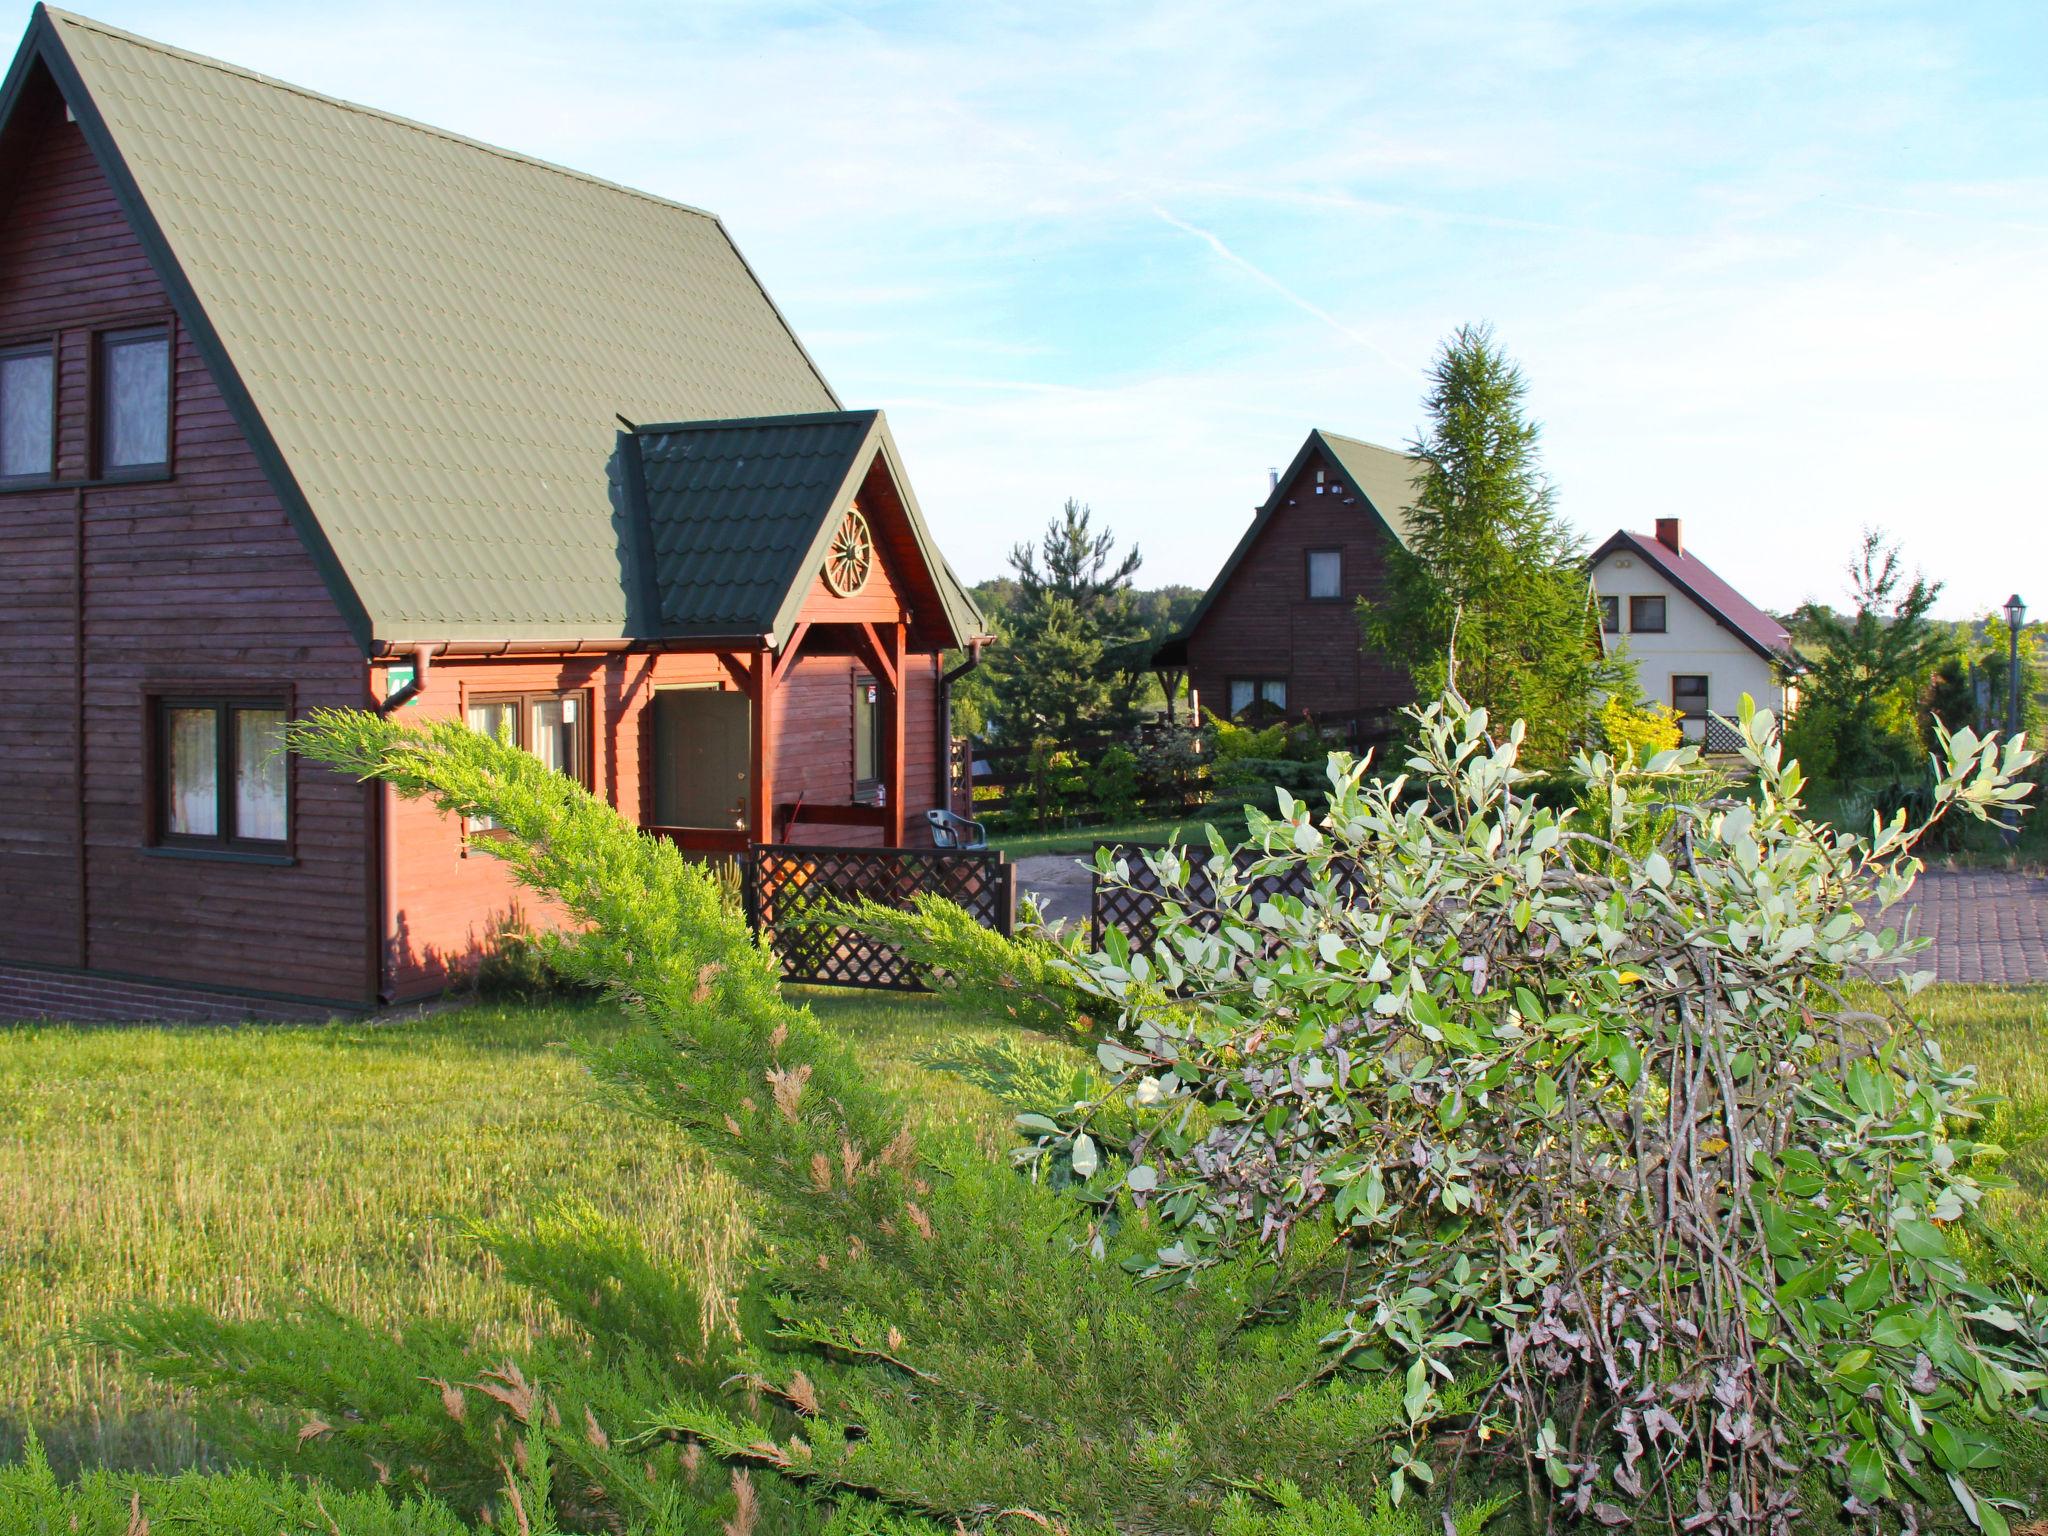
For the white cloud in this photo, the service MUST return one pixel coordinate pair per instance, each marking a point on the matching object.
(1779, 276)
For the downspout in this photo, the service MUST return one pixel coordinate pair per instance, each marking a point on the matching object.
(944, 757)
(422, 662)
(387, 834)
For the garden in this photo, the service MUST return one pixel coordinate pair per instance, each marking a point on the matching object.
(1456, 1163)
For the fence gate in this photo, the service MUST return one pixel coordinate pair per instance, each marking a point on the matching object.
(788, 889)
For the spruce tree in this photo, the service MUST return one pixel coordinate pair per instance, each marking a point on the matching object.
(1860, 709)
(1488, 593)
(1070, 660)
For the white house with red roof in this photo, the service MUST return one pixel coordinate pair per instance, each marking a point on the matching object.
(1698, 644)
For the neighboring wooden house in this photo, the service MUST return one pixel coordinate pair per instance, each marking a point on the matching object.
(302, 405)
(1698, 644)
(1277, 632)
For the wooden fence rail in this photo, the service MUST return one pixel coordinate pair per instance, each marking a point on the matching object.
(1061, 783)
(788, 889)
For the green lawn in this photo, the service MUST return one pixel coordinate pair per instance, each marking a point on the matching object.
(1023, 845)
(232, 1166)
(229, 1166)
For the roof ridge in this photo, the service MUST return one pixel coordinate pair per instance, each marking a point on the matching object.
(734, 423)
(1366, 442)
(169, 50)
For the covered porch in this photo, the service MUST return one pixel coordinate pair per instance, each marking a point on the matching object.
(778, 546)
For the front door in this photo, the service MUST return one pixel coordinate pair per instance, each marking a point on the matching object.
(702, 741)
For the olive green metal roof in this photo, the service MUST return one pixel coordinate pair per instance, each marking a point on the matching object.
(1382, 478)
(425, 337)
(1385, 477)
(732, 520)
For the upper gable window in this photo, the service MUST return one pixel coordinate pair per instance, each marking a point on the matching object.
(28, 377)
(135, 401)
(1646, 615)
(1325, 574)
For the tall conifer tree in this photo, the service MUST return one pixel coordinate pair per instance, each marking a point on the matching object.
(1490, 592)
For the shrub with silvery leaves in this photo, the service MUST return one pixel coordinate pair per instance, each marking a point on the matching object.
(1624, 1109)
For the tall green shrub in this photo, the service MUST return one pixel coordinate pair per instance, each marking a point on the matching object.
(1590, 1106)
(928, 1340)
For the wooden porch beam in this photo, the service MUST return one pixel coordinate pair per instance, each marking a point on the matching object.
(790, 646)
(761, 749)
(740, 671)
(893, 737)
(876, 653)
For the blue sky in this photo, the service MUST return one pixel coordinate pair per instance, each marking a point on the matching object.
(1780, 270)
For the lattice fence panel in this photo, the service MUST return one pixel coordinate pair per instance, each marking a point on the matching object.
(1134, 908)
(788, 888)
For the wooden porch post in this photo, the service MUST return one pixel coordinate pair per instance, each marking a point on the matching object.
(761, 753)
(893, 733)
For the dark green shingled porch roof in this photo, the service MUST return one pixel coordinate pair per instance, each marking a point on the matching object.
(732, 519)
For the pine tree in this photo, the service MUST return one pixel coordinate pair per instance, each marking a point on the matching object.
(1073, 655)
(1489, 591)
(1860, 709)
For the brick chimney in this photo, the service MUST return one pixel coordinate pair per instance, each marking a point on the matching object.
(1668, 535)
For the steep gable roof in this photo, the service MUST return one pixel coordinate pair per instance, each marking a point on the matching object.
(1383, 479)
(424, 337)
(1693, 577)
(732, 520)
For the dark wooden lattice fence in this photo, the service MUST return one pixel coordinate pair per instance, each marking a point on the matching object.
(1134, 909)
(788, 888)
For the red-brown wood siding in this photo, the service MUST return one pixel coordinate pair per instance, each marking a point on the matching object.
(452, 898)
(1262, 624)
(110, 591)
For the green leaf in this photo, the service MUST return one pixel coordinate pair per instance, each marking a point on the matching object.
(1867, 1478)
(1086, 1157)
(1921, 1239)
(1626, 1061)
(1870, 1288)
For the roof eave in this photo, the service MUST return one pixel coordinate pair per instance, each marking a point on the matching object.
(1625, 539)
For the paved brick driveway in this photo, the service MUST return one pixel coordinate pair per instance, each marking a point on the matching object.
(1987, 924)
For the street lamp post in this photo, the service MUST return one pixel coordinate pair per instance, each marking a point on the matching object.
(2015, 618)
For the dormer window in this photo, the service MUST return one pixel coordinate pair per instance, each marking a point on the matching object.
(28, 397)
(135, 401)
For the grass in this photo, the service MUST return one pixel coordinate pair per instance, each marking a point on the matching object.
(235, 1166)
(1229, 820)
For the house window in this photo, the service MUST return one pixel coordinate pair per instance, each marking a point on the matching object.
(1610, 615)
(1689, 695)
(135, 401)
(867, 739)
(28, 397)
(1646, 615)
(554, 727)
(1325, 575)
(1247, 693)
(223, 779)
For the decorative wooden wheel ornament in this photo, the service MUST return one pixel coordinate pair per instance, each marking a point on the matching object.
(851, 556)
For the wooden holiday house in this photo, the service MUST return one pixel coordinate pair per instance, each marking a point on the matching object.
(302, 404)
